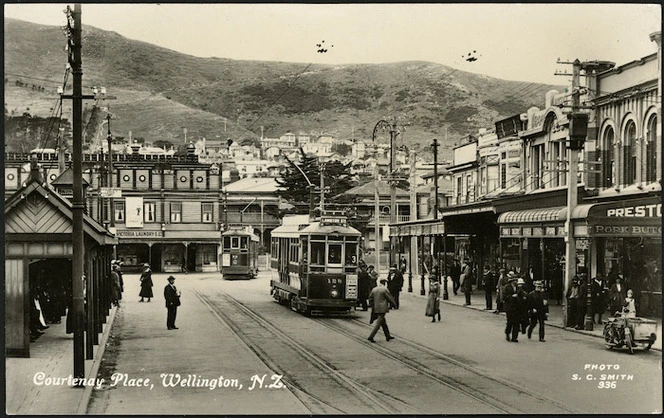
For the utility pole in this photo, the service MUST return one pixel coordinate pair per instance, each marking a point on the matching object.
(377, 218)
(78, 205)
(393, 189)
(577, 132)
(322, 190)
(109, 183)
(412, 253)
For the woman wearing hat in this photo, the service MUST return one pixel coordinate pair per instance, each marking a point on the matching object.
(433, 302)
(146, 283)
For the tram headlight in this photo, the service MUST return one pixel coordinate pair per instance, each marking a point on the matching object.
(334, 293)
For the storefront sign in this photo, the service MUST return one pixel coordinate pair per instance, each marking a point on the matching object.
(141, 234)
(627, 230)
(505, 231)
(640, 211)
(527, 231)
(551, 230)
(537, 231)
(108, 192)
(515, 231)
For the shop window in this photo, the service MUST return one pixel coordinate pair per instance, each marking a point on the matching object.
(176, 212)
(149, 212)
(207, 209)
(209, 256)
(651, 150)
(630, 151)
(608, 166)
(119, 211)
(503, 176)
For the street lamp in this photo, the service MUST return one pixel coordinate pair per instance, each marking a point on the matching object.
(393, 187)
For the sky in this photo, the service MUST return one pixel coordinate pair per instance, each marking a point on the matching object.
(509, 41)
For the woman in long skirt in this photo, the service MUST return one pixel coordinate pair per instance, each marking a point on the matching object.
(433, 302)
(146, 283)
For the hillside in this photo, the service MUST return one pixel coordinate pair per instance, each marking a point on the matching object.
(160, 92)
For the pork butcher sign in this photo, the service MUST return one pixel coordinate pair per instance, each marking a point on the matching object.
(641, 218)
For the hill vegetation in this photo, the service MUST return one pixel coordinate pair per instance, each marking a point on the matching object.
(159, 92)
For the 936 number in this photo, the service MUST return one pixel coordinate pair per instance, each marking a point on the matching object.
(607, 385)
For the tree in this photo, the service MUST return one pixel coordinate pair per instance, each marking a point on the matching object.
(293, 186)
(342, 149)
(295, 189)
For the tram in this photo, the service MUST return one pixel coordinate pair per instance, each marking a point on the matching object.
(239, 254)
(316, 263)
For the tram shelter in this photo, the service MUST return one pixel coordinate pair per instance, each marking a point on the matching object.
(38, 253)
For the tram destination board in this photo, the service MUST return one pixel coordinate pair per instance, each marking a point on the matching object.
(332, 220)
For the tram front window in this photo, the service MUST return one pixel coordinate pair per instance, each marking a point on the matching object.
(334, 255)
(351, 254)
(318, 253)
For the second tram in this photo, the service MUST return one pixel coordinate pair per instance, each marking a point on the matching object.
(239, 254)
(317, 264)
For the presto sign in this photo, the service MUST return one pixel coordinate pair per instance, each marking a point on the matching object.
(639, 211)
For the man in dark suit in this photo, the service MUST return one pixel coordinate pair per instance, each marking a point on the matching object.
(172, 296)
(395, 284)
(513, 299)
(455, 273)
(537, 310)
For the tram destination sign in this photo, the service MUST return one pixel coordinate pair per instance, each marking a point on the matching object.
(333, 220)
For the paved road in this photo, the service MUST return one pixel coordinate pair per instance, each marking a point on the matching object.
(466, 353)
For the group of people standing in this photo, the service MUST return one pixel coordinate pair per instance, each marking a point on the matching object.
(613, 297)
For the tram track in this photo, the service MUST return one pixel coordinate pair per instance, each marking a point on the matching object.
(258, 334)
(503, 395)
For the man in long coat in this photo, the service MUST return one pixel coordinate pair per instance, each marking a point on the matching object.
(380, 300)
(513, 299)
(172, 296)
(395, 284)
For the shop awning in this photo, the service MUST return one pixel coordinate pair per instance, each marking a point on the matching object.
(555, 214)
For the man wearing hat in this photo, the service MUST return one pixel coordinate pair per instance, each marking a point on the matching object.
(502, 282)
(395, 284)
(172, 296)
(380, 300)
(537, 310)
(574, 301)
(116, 294)
(513, 298)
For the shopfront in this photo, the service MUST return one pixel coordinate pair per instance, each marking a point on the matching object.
(532, 244)
(625, 238)
(167, 251)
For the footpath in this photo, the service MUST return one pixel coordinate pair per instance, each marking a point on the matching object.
(555, 318)
(30, 383)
